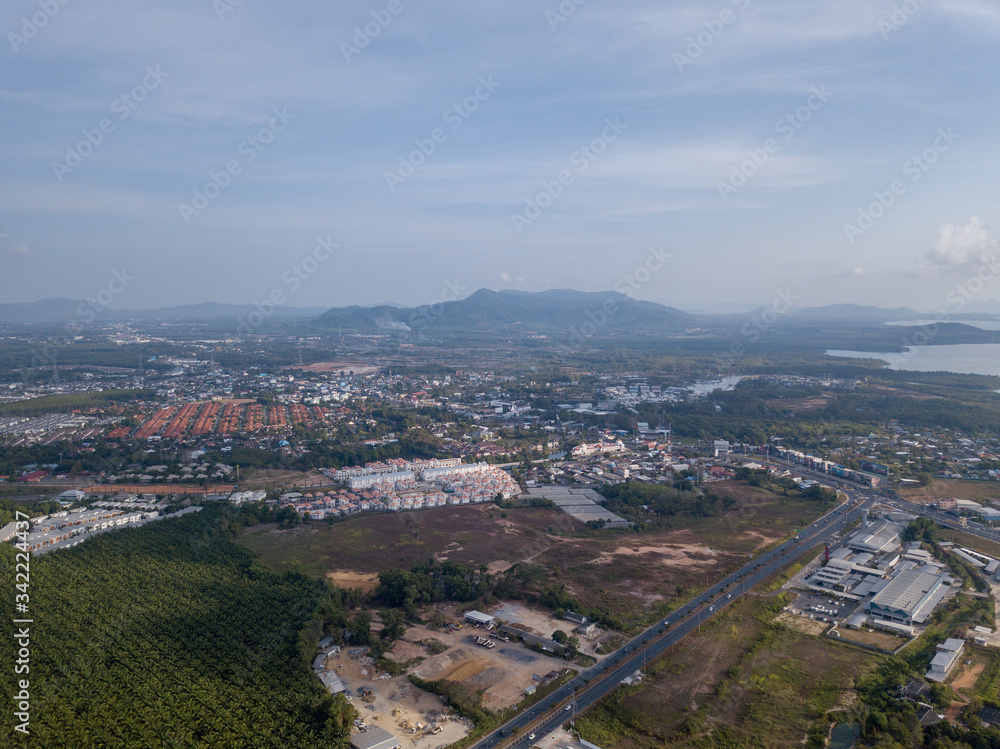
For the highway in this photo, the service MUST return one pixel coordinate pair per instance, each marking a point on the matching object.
(943, 518)
(593, 684)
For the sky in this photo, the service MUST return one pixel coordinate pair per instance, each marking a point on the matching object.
(705, 155)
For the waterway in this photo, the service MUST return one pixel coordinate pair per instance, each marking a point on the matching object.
(962, 358)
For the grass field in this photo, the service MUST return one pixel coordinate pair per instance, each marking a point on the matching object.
(743, 681)
(969, 541)
(974, 490)
(621, 571)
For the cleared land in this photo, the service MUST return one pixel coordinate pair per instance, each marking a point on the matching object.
(540, 622)
(744, 680)
(619, 571)
(974, 490)
(398, 706)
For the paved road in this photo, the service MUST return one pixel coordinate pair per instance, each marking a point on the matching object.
(945, 519)
(593, 684)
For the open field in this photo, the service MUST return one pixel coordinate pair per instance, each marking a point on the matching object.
(618, 571)
(975, 490)
(982, 545)
(877, 638)
(744, 680)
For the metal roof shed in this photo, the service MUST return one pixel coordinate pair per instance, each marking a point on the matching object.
(478, 617)
(374, 738)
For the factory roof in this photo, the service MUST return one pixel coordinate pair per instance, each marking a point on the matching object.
(878, 538)
(907, 591)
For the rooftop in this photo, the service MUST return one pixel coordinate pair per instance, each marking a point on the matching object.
(907, 590)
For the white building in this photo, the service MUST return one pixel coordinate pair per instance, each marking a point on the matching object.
(948, 654)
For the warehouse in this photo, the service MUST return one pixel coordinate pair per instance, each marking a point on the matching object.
(880, 538)
(374, 738)
(909, 597)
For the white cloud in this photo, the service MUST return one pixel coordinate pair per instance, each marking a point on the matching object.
(958, 247)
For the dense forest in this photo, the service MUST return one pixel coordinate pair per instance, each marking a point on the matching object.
(173, 635)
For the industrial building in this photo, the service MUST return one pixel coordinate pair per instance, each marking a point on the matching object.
(877, 538)
(911, 595)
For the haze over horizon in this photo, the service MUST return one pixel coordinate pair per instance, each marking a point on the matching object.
(396, 151)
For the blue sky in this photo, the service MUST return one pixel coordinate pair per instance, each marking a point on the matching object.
(745, 139)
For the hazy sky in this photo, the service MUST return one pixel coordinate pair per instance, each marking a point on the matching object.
(446, 146)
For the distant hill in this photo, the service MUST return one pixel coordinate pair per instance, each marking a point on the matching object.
(853, 313)
(59, 310)
(558, 310)
(46, 310)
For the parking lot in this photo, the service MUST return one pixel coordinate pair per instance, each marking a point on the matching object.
(827, 609)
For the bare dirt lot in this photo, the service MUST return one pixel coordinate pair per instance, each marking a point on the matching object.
(504, 671)
(348, 579)
(802, 624)
(542, 623)
(398, 706)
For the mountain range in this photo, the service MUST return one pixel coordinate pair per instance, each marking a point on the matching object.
(483, 311)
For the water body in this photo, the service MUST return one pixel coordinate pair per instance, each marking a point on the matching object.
(843, 736)
(962, 358)
(981, 324)
(705, 387)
